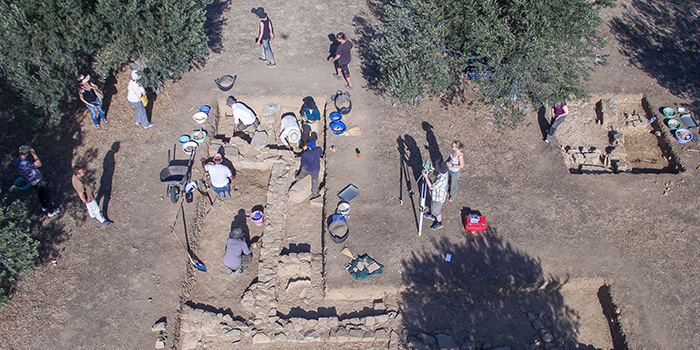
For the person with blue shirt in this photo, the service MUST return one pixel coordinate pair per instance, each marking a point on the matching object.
(310, 165)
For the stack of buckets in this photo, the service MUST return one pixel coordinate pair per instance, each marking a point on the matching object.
(337, 126)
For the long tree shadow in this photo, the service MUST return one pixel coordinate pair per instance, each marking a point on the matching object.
(487, 295)
(108, 165)
(662, 39)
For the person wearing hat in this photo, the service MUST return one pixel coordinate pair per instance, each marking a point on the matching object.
(291, 133)
(91, 96)
(310, 165)
(238, 255)
(28, 171)
(243, 116)
(220, 176)
(134, 93)
(438, 193)
(86, 195)
(265, 34)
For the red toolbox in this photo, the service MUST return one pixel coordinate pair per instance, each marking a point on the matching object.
(474, 223)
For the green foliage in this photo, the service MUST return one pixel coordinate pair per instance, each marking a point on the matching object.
(538, 51)
(18, 250)
(45, 45)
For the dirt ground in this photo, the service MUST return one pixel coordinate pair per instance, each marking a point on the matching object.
(547, 227)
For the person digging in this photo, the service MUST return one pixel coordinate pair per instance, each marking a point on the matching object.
(438, 194)
(238, 255)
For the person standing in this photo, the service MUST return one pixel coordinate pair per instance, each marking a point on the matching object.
(243, 116)
(438, 193)
(265, 33)
(28, 171)
(342, 59)
(91, 96)
(455, 163)
(87, 195)
(310, 165)
(238, 255)
(220, 176)
(134, 94)
(560, 112)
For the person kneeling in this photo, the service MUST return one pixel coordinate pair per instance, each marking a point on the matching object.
(238, 255)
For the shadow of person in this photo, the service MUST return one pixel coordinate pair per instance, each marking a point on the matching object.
(542, 121)
(433, 148)
(334, 46)
(240, 221)
(108, 166)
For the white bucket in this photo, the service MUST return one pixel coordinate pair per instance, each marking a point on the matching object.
(343, 208)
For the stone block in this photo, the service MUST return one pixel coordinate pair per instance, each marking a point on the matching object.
(356, 334)
(368, 336)
(370, 321)
(298, 284)
(379, 307)
(354, 321)
(343, 335)
(261, 338)
(209, 321)
(446, 342)
(621, 166)
(190, 340)
(281, 336)
(158, 326)
(416, 344)
(259, 139)
(382, 318)
(292, 336)
(324, 335)
(381, 334)
(233, 332)
(331, 322)
(310, 335)
(618, 153)
(301, 190)
(594, 169)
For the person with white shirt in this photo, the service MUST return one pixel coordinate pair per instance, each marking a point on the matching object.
(133, 95)
(243, 116)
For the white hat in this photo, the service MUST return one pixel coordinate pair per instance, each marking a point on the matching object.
(135, 75)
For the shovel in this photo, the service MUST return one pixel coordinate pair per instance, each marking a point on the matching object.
(198, 265)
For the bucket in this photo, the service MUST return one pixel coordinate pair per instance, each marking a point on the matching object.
(335, 116)
(200, 117)
(190, 147)
(257, 217)
(343, 208)
(225, 83)
(20, 184)
(199, 136)
(669, 112)
(683, 135)
(205, 109)
(338, 127)
(183, 139)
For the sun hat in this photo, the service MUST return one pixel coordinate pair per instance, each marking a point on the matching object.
(25, 149)
(135, 75)
(217, 156)
(84, 78)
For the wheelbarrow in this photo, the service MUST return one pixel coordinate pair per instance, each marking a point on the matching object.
(177, 174)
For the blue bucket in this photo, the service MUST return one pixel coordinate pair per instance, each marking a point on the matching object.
(335, 116)
(338, 127)
(183, 139)
(20, 184)
(205, 109)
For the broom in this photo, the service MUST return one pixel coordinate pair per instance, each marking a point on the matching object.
(347, 252)
(354, 131)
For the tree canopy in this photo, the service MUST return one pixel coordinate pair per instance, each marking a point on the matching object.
(45, 45)
(522, 52)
